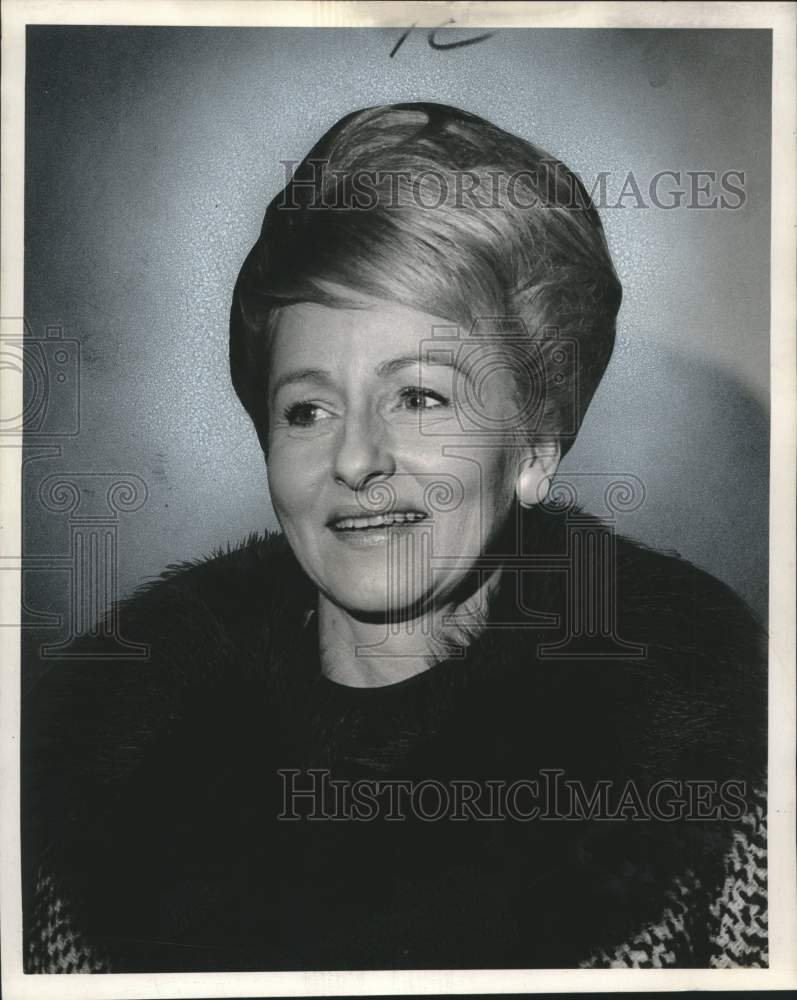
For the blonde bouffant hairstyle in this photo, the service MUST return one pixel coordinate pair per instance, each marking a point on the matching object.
(434, 208)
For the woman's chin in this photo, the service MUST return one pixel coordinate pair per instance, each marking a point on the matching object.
(374, 601)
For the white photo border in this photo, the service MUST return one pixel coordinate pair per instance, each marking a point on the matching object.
(781, 18)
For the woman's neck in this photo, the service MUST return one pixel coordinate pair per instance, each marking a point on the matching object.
(361, 653)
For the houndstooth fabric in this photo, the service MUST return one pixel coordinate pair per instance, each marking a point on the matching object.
(726, 931)
(54, 944)
(738, 927)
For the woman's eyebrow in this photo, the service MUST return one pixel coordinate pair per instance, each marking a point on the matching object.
(321, 376)
(318, 375)
(441, 358)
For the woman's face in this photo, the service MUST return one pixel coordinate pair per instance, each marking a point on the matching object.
(380, 472)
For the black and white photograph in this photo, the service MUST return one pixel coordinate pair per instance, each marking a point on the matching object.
(398, 445)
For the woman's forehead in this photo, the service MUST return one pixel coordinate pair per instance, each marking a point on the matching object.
(373, 331)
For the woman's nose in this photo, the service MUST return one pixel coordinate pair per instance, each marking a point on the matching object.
(363, 451)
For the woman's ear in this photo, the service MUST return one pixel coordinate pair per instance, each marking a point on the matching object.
(537, 472)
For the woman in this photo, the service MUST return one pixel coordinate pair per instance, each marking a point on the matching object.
(445, 719)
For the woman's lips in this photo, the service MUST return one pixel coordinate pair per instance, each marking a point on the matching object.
(373, 529)
(362, 523)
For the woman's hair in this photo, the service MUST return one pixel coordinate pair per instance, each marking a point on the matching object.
(436, 209)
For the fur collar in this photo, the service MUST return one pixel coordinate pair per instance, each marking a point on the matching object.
(117, 752)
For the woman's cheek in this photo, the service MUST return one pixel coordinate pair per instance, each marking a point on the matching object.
(289, 481)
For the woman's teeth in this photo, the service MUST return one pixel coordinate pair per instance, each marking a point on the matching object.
(376, 521)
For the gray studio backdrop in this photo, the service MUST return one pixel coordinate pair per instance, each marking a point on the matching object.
(151, 154)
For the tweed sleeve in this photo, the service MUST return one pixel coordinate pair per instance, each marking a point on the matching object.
(738, 912)
(723, 926)
(54, 944)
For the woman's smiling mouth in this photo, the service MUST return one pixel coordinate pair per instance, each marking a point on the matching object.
(373, 529)
(376, 521)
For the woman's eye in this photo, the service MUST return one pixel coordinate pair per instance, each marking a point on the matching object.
(416, 398)
(304, 414)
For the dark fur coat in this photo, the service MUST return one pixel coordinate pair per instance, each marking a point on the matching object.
(152, 789)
